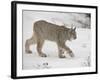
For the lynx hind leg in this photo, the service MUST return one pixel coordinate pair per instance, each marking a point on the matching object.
(40, 43)
(27, 45)
(61, 52)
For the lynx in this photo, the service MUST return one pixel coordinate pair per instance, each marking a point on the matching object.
(43, 30)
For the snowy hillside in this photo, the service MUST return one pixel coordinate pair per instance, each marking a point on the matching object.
(81, 48)
(80, 20)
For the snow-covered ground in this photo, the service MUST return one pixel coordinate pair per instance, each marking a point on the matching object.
(81, 48)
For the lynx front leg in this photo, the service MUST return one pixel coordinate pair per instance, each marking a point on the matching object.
(67, 49)
(61, 52)
(39, 48)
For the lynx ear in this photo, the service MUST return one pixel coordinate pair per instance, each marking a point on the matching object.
(71, 26)
(74, 29)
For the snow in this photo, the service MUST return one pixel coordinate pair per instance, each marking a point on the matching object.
(80, 47)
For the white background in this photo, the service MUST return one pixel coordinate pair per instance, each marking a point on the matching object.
(5, 40)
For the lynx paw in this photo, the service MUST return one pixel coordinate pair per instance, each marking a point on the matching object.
(28, 51)
(62, 56)
(43, 55)
(71, 54)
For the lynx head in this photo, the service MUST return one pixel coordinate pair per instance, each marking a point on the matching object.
(72, 32)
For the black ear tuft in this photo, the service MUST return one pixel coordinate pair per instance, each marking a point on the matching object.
(74, 29)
